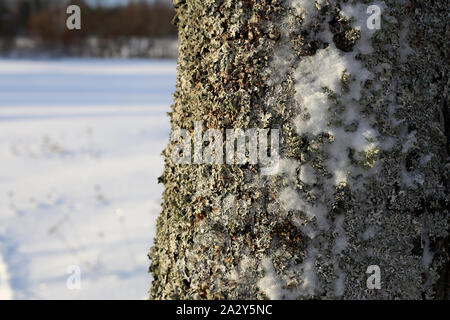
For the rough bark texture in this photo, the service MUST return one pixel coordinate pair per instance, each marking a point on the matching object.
(310, 231)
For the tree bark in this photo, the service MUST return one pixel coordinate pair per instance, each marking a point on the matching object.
(363, 176)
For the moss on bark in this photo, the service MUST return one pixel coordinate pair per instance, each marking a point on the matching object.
(224, 233)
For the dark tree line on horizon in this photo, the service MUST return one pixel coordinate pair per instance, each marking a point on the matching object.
(44, 21)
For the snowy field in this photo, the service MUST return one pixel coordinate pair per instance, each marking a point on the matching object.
(80, 144)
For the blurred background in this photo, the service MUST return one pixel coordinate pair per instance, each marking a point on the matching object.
(31, 28)
(82, 124)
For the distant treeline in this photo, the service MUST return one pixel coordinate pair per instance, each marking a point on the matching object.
(44, 23)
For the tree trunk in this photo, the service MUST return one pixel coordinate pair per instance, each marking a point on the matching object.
(363, 172)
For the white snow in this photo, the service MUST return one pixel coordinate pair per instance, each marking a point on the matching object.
(405, 49)
(411, 140)
(325, 70)
(80, 144)
(427, 256)
(306, 8)
(310, 282)
(5, 287)
(339, 284)
(291, 200)
(307, 174)
(360, 15)
(269, 284)
(89, 66)
(341, 240)
(369, 233)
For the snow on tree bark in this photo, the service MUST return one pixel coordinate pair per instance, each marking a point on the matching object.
(364, 145)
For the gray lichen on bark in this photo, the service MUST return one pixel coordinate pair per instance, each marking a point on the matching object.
(228, 232)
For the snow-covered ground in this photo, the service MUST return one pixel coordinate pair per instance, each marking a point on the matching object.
(80, 144)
